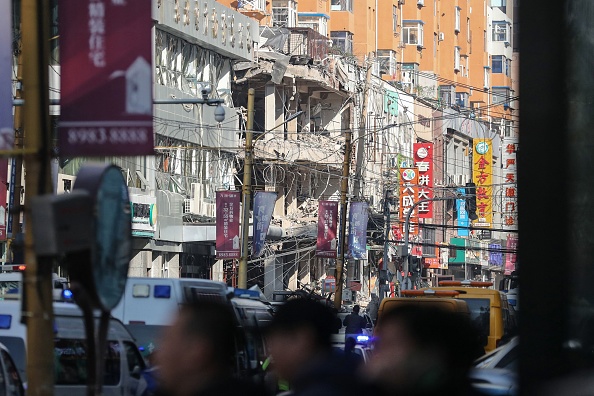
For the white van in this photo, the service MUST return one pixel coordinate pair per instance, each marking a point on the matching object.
(123, 361)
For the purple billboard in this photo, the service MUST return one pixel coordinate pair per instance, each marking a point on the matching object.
(358, 230)
(106, 78)
(227, 229)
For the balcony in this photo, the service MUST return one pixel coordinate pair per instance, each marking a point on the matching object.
(305, 45)
(251, 8)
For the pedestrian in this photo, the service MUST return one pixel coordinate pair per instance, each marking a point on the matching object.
(373, 307)
(197, 353)
(299, 340)
(422, 351)
(354, 324)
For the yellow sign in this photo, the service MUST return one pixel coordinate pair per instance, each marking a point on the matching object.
(482, 175)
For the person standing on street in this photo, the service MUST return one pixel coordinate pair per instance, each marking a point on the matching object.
(196, 354)
(373, 307)
(354, 324)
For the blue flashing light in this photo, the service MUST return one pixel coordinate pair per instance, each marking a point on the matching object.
(141, 348)
(67, 294)
(363, 339)
(162, 291)
(5, 321)
(245, 293)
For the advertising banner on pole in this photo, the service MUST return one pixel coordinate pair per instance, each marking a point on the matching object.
(263, 208)
(327, 221)
(227, 229)
(511, 255)
(106, 87)
(495, 255)
(463, 220)
(409, 191)
(11, 196)
(358, 218)
(423, 156)
(482, 175)
(6, 120)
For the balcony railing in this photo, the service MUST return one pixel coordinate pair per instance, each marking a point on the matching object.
(251, 5)
(307, 42)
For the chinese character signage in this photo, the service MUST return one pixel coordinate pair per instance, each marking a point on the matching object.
(327, 220)
(106, 86)
(510, 186)
(227, 243)
(423, 155)
(358, 230)
(3, 193)
(482, 175)
(511, 255)
(463, 220)
(409, 192)
(6, 128)
(263, 208)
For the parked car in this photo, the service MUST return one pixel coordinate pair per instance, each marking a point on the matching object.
(496, 372)
(368, 330)
(12, 384)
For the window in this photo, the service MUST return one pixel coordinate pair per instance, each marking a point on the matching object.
(429, 240)
(500, 96)
(412, 33)
(462, 99)
(508, 67)
(342, 40)
(341, 5)
(446, 94)
(457, 26)
(395, 18)
(71, 362)
(500, 4)
(500, 31)
(497, 62)
(457, 58)
(284, 13)
(486, 82)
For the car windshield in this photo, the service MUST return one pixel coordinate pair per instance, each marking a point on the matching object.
(70, 357)
(480, 310)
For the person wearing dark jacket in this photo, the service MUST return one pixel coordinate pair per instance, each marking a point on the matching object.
(299, 340)
(354, 324)
(196, 354)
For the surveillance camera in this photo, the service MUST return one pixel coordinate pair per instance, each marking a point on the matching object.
(219, 113)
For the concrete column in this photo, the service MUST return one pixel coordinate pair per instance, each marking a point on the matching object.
(269, 107)
(173, 265)
(269, 276)
(217, 271)
(291, 272)
(140, 263)
(155, 271)
(304, 271)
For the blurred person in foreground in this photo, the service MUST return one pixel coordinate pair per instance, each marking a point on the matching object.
(299, 340)
(196, 354)
(423, 351)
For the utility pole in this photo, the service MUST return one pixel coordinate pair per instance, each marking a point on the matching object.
(37, 309)
(361, 136)
(247, 190)
(384, 270)
(344, 189)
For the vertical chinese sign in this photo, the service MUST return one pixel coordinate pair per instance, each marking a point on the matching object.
(495, 255)
(227, 228)
(510, 186)
(106, 86)
(358, 217)
(409, 192)
(423, 156)
(263, 208)
(6, 51)
(463, 219)
(327, 220)
(482, 175)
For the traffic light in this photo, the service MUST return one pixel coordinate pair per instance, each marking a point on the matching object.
(471, 201)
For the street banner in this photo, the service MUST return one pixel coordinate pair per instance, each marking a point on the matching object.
(495, 255)
(11, 196)
(227, 229)
(423, 156)
(263, 208)
(358, 217)
(511, 255)
(3, 193)
(409, 192)
(482, 175)
(6, 119)
(463, 220)
(510, 193)
(327, 220)
(106, 104)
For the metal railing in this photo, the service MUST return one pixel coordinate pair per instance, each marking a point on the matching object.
(307, 42)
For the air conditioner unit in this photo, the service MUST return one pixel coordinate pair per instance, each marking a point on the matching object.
(460, 180)
(441, 36)
(196, 198)
(421, 3)
(209, 210)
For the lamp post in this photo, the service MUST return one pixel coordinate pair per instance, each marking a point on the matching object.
(406, 234)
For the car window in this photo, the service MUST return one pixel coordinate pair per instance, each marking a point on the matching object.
(15, 386)
(480, 314)
(16, 347)
(70, 357)
(510, 360)
(134, 360)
